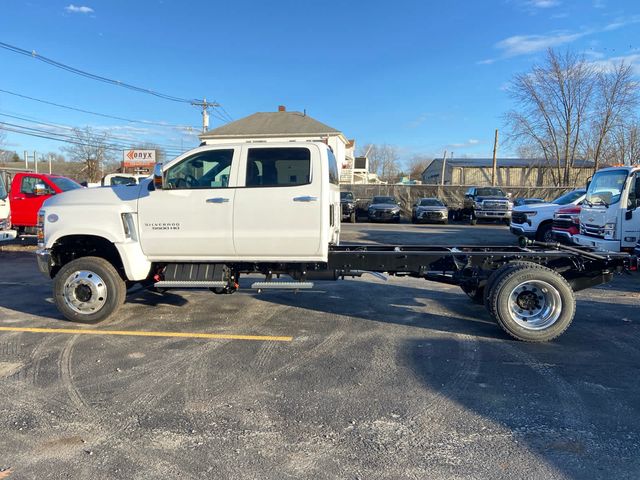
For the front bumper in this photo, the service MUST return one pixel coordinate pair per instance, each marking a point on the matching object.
(7, 235)
(432, 216)
(383, 216)
(43, 256)
(597, 243)
(563, 236)
(485, 214)
(520, 231)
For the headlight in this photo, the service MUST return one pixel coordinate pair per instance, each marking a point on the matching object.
(610, 231)
(477, 204)
(40, 228)
(530, 214)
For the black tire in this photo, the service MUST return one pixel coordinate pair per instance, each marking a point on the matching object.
(553, 291)
(352, 217)
(414, 219)
(444, 222)
(112, 286)
(545, 233)
(473, 221)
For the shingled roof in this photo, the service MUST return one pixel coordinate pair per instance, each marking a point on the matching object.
(271, 124)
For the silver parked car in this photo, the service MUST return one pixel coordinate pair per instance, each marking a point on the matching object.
(429, 210)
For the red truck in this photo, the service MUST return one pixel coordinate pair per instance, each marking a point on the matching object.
(566, 223)
(28, 193)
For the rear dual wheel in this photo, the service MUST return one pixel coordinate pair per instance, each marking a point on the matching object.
(530, 302)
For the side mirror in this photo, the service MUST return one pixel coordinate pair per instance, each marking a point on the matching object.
(40, 189)
(158, 178)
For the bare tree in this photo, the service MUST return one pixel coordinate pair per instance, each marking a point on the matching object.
(383, 160)
(552, 105)
(616, 97)
(90, 147)
(627, 143)
(417, 164)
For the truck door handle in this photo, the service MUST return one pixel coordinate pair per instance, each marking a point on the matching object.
(305, 199)
(217, 200)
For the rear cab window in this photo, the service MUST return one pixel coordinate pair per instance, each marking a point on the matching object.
(278, 167)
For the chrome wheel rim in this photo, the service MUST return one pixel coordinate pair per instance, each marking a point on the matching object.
(535, 305)
(85, 292)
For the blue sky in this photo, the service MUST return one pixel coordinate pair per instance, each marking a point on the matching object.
(422, 75)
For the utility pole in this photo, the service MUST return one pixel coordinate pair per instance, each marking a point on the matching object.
(495, 160)
(205, 114)
(444, 166)
(35, 161)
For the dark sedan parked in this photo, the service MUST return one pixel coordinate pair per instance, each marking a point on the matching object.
(429, 210)
(384, 209)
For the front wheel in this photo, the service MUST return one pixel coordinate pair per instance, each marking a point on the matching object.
(88, 289)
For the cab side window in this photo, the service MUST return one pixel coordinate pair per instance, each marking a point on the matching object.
(633, 193)
(208, 169)
(278, 167)
(28, 186)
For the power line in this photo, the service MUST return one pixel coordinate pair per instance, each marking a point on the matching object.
(104, 115)
(93, 76)
(61, 137)
(167, 147)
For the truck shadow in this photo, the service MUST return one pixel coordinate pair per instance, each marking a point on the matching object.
(446, 311)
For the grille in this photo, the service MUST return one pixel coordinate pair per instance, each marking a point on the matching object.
(495, 205)
(518, 217)
(564, 223)
(593, 230)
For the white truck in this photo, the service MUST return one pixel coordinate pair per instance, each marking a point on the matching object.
(610, 215)
(535, 220)
(220, 212)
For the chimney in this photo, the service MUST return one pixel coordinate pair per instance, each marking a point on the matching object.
(282, 108)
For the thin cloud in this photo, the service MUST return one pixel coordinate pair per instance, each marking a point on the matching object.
(71, 8)
(469, 143)
(609, 64)
(517, 45)
(544, 3)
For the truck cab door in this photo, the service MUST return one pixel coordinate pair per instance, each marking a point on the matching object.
(278, 213)
(191, 217)
(26, 202)
(630, 223)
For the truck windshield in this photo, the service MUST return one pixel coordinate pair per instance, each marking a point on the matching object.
(346, 196)
(65, 184)
(606, 187)
(430, 202)
(383, 200)
(490, 192)
(568, 197)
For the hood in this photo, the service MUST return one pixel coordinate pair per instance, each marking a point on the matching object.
(569, 210)
(538, 207)
(383, 206)
(120, 196)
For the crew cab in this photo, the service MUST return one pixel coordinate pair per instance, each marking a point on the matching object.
(487, 203)
(535, 221)
(610, 216)
(220, 212)
(28, 193)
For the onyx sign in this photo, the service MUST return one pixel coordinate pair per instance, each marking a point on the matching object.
(138, 158)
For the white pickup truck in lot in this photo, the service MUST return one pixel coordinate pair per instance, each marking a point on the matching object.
(220, 212)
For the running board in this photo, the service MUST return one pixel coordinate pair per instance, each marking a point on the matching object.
(189, 284)
(282, 285)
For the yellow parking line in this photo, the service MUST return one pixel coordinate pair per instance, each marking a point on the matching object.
(133, 333)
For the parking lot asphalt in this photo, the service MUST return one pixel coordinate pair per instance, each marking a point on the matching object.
(359, 378)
